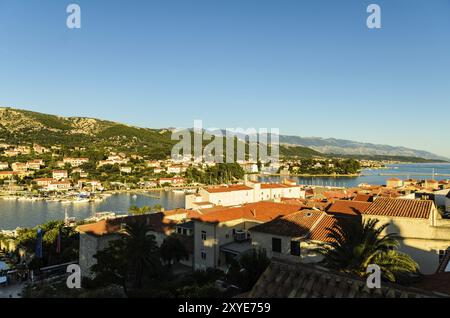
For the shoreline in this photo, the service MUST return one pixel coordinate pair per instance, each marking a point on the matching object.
(356, 175)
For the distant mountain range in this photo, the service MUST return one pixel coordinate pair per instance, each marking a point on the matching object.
(348, 147)
(18, 126)
(332, 146)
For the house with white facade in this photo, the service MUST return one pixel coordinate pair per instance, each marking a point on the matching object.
(424, 233)
(75, 162)
(58, 186)
(59, 174)
(222, 234)
(295, 236)
(96, 236)
(229, 195)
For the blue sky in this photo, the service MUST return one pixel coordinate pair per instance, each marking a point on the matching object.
(310, 68)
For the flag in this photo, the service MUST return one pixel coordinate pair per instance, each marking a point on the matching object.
(39, 243)
(58, 242)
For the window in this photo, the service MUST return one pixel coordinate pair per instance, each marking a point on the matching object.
(295, 248)
(179, 230)
(203, 235)
(204, 256)
(184, 232)
(276, 245)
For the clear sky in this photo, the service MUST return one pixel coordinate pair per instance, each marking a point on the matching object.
(310, 68)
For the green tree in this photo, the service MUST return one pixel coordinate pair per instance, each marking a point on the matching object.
(355, 245)
(135, 210)
(130, 261)
(172, 250)
(246, 271)
(26, 239)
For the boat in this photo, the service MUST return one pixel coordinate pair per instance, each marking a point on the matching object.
(178, 191)
(10, 198)
(134, 196)
(81, 200)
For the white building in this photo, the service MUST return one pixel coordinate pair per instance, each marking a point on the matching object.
(59, 174)
(76, 162)
(58, 186)
(222, 234)
(249, 192)
(294, 236)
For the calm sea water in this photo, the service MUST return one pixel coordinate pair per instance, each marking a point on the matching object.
(374, 176)
(32, 213)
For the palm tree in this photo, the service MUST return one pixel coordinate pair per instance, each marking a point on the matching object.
(130, 259)
(172, 250)
(355, 245)
(141, 252)
(135, 210)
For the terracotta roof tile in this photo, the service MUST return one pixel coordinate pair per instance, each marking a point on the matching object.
(263, 211)
(237, 187)
(322, 229)
(156, 221)
(406, 208)
(346, 207)
(294, 225)
(363, 197)
(288, 279)
(311, 224)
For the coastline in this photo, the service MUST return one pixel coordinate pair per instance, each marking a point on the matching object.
(355, 175)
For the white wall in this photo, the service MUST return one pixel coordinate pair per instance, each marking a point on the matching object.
(420, 239)
(264, 241)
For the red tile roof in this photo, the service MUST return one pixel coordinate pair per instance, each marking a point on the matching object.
(363, 197)
(263, 211)
(276, 186)
(338, 194)
(407, 208)
(307, 203)
(310, 224)
(293, 225)
(322, 229)
(346, 207)
(156, 221)
(237, 187)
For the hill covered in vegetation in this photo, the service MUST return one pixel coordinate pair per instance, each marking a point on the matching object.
(23, 126)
